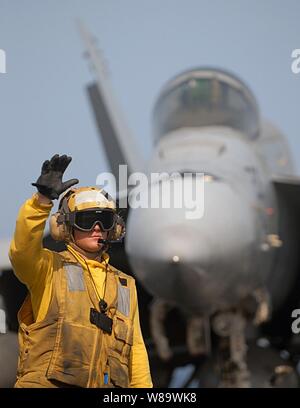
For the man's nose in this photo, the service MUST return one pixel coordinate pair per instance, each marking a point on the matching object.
(97, 227)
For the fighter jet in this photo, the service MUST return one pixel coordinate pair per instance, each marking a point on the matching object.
(214, 277)
(234, 267)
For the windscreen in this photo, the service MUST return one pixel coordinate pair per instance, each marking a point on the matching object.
(205, 98)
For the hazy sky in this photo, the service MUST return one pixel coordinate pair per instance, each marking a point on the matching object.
(44, 108)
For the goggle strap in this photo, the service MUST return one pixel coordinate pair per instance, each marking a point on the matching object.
(65, 218)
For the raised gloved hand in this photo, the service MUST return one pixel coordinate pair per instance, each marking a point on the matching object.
(50, 182)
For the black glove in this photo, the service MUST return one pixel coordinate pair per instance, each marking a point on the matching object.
(50, 182)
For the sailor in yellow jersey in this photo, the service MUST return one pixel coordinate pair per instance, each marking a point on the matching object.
(79, 325)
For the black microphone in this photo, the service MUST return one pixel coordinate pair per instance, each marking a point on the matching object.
(107, 241)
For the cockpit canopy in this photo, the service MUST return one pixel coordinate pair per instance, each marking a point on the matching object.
(206, 97)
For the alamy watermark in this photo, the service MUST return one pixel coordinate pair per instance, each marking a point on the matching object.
(2, 321)
(2, 62)
(296, 323)
(157, 190)
(295, 66)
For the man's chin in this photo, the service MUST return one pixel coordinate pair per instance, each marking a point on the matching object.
(96, 249)
(92, 249)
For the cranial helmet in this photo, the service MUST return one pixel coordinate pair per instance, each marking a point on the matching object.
(82, 208)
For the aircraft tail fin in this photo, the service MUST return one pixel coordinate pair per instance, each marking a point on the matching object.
(287, 189)
(290, 187)
(118, 142)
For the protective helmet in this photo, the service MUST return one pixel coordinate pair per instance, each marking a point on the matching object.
(82, 208)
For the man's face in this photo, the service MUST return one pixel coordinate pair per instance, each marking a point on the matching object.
(88, 240)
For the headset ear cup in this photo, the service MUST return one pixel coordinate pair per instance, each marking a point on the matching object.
(119, 229)
(117, 232)
(58, 231)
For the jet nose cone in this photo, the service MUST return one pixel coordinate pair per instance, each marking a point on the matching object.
(178, 244)
(194, 261)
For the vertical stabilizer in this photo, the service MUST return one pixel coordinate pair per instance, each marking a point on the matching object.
(118, 141)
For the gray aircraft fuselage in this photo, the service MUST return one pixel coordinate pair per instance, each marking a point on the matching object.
(214, 262)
